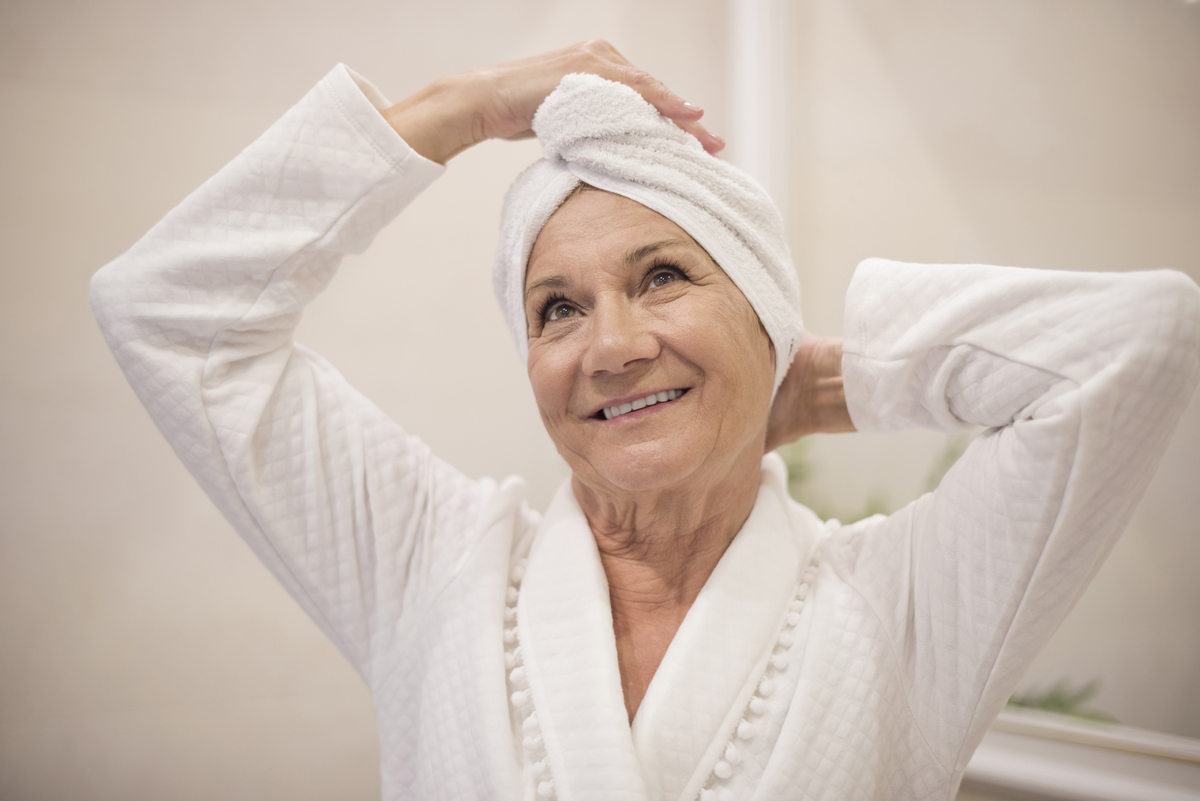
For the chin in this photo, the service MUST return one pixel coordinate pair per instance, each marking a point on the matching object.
(645, 467)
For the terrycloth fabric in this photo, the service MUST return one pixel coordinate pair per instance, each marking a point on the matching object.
(604, 134)
(917, 626)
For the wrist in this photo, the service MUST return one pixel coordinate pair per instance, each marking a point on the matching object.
(438, 121)
(812, 399)
(827, 394)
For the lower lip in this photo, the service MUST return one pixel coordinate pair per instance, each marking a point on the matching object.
(637, 414)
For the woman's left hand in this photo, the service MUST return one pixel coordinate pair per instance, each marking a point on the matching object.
(811, 399)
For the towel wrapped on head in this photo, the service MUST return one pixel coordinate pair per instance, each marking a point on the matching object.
(605, 134)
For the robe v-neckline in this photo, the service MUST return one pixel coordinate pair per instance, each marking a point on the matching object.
(570, 654)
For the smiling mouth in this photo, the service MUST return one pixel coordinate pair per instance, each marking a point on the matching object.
(654, 398)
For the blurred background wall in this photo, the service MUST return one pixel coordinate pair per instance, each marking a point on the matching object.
(1061, 135)
(145, 654)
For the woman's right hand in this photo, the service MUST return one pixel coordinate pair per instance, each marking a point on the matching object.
(454, 113)
(812, 397)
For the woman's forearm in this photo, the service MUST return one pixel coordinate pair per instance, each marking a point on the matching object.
(199, 315)
(440, 121)
(245, 252)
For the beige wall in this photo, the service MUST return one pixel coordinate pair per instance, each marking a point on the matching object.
(147, 655)
(1059, 135)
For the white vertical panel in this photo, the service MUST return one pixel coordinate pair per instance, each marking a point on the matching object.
(759, 35)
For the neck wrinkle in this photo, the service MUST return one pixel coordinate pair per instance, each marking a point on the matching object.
(658, 552)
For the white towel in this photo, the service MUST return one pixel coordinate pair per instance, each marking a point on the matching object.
(605, 134)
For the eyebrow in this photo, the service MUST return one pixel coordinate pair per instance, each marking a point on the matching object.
(629, 259)
(553, 282)
(638, 254)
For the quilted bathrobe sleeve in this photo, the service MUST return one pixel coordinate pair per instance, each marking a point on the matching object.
(1079, 380)
(355, 517)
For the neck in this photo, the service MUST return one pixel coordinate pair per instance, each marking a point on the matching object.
(659, 547)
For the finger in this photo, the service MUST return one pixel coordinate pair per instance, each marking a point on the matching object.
(670, 105)
(517, 97)
(657, 94)
(609, 63)
(666, 102)
(709, 141)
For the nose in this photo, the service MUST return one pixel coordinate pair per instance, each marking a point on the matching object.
(618, 338)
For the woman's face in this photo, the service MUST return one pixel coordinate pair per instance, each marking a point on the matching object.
(622, 304)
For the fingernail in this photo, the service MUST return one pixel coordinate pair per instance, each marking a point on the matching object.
(693, 107)
(720, 140)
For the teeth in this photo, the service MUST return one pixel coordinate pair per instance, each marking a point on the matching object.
(656, 397)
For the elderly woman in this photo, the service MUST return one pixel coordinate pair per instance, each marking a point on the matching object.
(674, 626)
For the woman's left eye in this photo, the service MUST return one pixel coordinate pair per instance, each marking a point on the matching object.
(661, 276)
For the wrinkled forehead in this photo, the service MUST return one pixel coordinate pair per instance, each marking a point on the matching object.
(593, 222)
(733, 222)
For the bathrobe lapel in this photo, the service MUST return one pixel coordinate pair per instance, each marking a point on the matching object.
(709, 673)
(706, 677)
(570, 654)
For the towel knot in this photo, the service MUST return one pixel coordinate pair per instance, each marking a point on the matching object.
(587, 110)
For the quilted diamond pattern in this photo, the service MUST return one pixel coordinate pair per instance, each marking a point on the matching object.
(918, 625)
(1081, 378)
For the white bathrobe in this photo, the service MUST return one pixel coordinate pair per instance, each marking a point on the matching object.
(497, 679)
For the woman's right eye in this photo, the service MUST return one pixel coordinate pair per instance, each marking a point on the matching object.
(560, 311)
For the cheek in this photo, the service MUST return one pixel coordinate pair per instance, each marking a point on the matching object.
(753, 336)
(550, 378)
(746, 355)
(725, 331)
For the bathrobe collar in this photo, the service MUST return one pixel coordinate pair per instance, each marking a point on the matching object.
(706, 677)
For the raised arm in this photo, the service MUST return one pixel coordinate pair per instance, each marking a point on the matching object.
(199, 314)
(355, 517)
(1079, 379)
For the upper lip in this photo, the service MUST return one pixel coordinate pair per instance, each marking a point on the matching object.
(631, 398)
